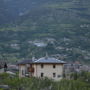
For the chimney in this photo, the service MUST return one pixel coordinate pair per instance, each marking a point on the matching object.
(46, 57)
(33, 58)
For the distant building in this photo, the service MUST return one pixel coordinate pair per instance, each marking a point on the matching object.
(43, 67)
(74, 68)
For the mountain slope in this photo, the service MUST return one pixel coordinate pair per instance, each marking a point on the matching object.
(10, 10)
(62, 24)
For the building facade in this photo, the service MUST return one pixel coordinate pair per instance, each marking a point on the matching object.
(43, 67)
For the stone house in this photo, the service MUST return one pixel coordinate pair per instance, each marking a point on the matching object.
(43, 67)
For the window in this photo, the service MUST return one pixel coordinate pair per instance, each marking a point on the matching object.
(54, 74)
(54, 66)
(23, 73)
(59, 76)
(42, 74)
(42, 66)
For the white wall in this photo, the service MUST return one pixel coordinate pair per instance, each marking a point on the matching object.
(22, 68)
(48, 71)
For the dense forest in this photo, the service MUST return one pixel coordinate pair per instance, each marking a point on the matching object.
(62, 25)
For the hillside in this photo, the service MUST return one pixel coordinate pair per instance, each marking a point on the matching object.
(11, 10)
(62, 25)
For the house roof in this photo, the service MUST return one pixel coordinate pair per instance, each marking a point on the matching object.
(46, 60)
(49, 60)
(25, 62)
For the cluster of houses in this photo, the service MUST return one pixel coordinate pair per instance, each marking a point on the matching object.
(44, 67)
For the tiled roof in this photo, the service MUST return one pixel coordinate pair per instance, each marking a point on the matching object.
(42, 60)
(48, 60)
(25, 62)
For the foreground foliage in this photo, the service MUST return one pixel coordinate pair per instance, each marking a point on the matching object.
(43, 84)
